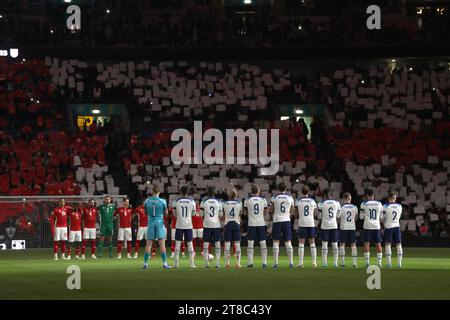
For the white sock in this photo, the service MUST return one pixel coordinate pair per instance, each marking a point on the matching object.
(290, 252)
(301, 253)
(388, 253)
(250, 251)
(218, 252)
(367, 257)
(238, 253)
(399, 255)
(334, 245)
(354, 254)
(314, 254)
(191, 253)
(263, 251)
(324, 253)
(226, 252)
(379, 257)
(342, 254)
(205, 253)
(177, 252)
(276, 252)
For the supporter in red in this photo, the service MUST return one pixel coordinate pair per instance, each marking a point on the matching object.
(124, 214)
(89, 228)
(59, 227)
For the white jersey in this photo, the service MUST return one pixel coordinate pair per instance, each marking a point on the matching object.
(329, 211)
(371, 212)
(183, 209)
(392, 213)
(232, 211)
(349, 213)
(255, 206)
(306, 209)
(282, 204)
(212, 211)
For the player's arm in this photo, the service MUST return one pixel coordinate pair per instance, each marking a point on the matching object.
(244, 208)
(362, 212)
(292, 208)
(319, 212)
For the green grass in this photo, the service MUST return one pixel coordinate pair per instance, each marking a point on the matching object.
(32, 274)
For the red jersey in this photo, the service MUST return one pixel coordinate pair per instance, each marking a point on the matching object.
(143, 218)
(75, 221)
(60, 215)
(89, 217)
(125, 215)
(197, 222)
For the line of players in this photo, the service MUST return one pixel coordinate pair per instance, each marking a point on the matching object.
(281, 209)
(214, 211)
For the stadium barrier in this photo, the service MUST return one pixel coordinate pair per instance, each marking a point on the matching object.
(27, 218)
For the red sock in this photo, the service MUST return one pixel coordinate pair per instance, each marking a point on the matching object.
(172, 247)
(77, 250)
(209, 247)
(119, 247)
(128, 247)
(137, 245)
(182, 246)
(83, 247)
(55, 247)
(63, 247)
(93, 244)
(234, 248)
(69, 249)
(201, 244)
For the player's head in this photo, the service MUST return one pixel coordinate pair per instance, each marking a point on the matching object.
(107, 200)
(255, 189)
(210, 191)
(305, 191)
(347, 197)
(370, 193)
(184, 190)
(392, 196)
(126, 202)
(233, 194)
(155, 190)
(91, 202)
(282, 187)
(327, 193)
(61, 202)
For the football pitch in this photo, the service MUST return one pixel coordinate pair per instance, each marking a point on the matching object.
(32, 274)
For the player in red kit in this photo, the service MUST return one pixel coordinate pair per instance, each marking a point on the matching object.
(124, 214)
(58, 221)
(76, 218)
(142, 228)
(89, 228)
(197, 224)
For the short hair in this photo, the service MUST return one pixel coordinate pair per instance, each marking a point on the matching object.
(347, 195)
(255, 189)
(210, 191)
(89, 200)
(126, 199)
(155, 189)
(184, 190)
(106, 196)
(233, 194)
(282, 186)
(392, 194)
(370, 192)
(305, 190)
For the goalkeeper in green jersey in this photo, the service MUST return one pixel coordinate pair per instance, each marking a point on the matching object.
(106, 213)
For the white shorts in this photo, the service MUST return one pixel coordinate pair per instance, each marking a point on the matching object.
(60, 234)
(75, 236)
(197, 233)
(90, 233)
(124, 234)
(142, 233)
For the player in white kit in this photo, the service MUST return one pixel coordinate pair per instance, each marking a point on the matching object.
(255, 207)
(392, 212)
(371, 212)
(211, 210)
(282, 209)
(184, 208)
(307, 209)
(232, 212)
(347, 226)
(329, 212)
